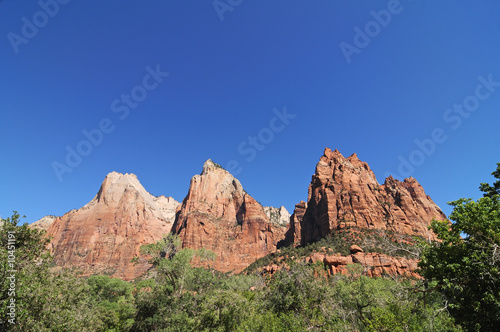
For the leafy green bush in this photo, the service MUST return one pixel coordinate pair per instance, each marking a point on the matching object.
(178, 297)
(465, 264)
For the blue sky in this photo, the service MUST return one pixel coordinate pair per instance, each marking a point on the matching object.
(260, 87)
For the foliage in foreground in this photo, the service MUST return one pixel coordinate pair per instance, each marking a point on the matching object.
(293, 300)
(178, 297)
(465, 266)
(462, 285)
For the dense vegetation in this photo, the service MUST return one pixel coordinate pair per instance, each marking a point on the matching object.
(178, 297)
(465, 265)
(460, 289)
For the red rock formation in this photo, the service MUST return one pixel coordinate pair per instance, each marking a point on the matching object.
(104, 235)
(372, 264)
(293, 233)
(218, 215)
(344, 192)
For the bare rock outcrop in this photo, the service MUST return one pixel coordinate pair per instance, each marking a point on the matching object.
(168, 207)
(293, 233)
(373, 264)
(345, 193)
(278, 216)
(106, 234)
(218, 215)
(43, 223)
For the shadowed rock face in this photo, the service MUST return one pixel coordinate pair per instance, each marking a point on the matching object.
(104, 235)
(217, 214)
(293, 233)
(344, 192)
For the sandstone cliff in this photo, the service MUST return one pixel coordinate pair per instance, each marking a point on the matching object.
(278, 216)
(104, 235)
(345, 193)
(218, 215)
(293, 233)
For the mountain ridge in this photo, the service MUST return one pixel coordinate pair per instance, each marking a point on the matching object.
(218, 214)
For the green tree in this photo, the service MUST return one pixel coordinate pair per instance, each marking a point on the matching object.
(465, 264)
(491, 190)
(170, 261)
(45, 300)
(385, 304)
(221, 310)
(114, 300)
(171, 302)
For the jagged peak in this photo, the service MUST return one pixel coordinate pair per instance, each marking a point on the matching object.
(388, 179)
(330, 154)
(336, 157)
(279, 216)
(410, 180)
(209, 166)
(353, 156)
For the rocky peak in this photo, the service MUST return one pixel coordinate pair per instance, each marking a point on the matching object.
(209, 166)
(217, 214)
(344, 192)
(116, 184)
(105, 234)
(215, 179)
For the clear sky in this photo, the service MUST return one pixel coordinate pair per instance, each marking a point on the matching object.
(155, 88)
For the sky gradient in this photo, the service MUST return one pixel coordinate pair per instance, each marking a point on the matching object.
(155, 88)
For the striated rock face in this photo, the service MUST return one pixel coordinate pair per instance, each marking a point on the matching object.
(374, 264)
(344, 192)
(278, 216)
(104, 235)
(293, 233)
(44, 223)
(167, 207)
(217, 214)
